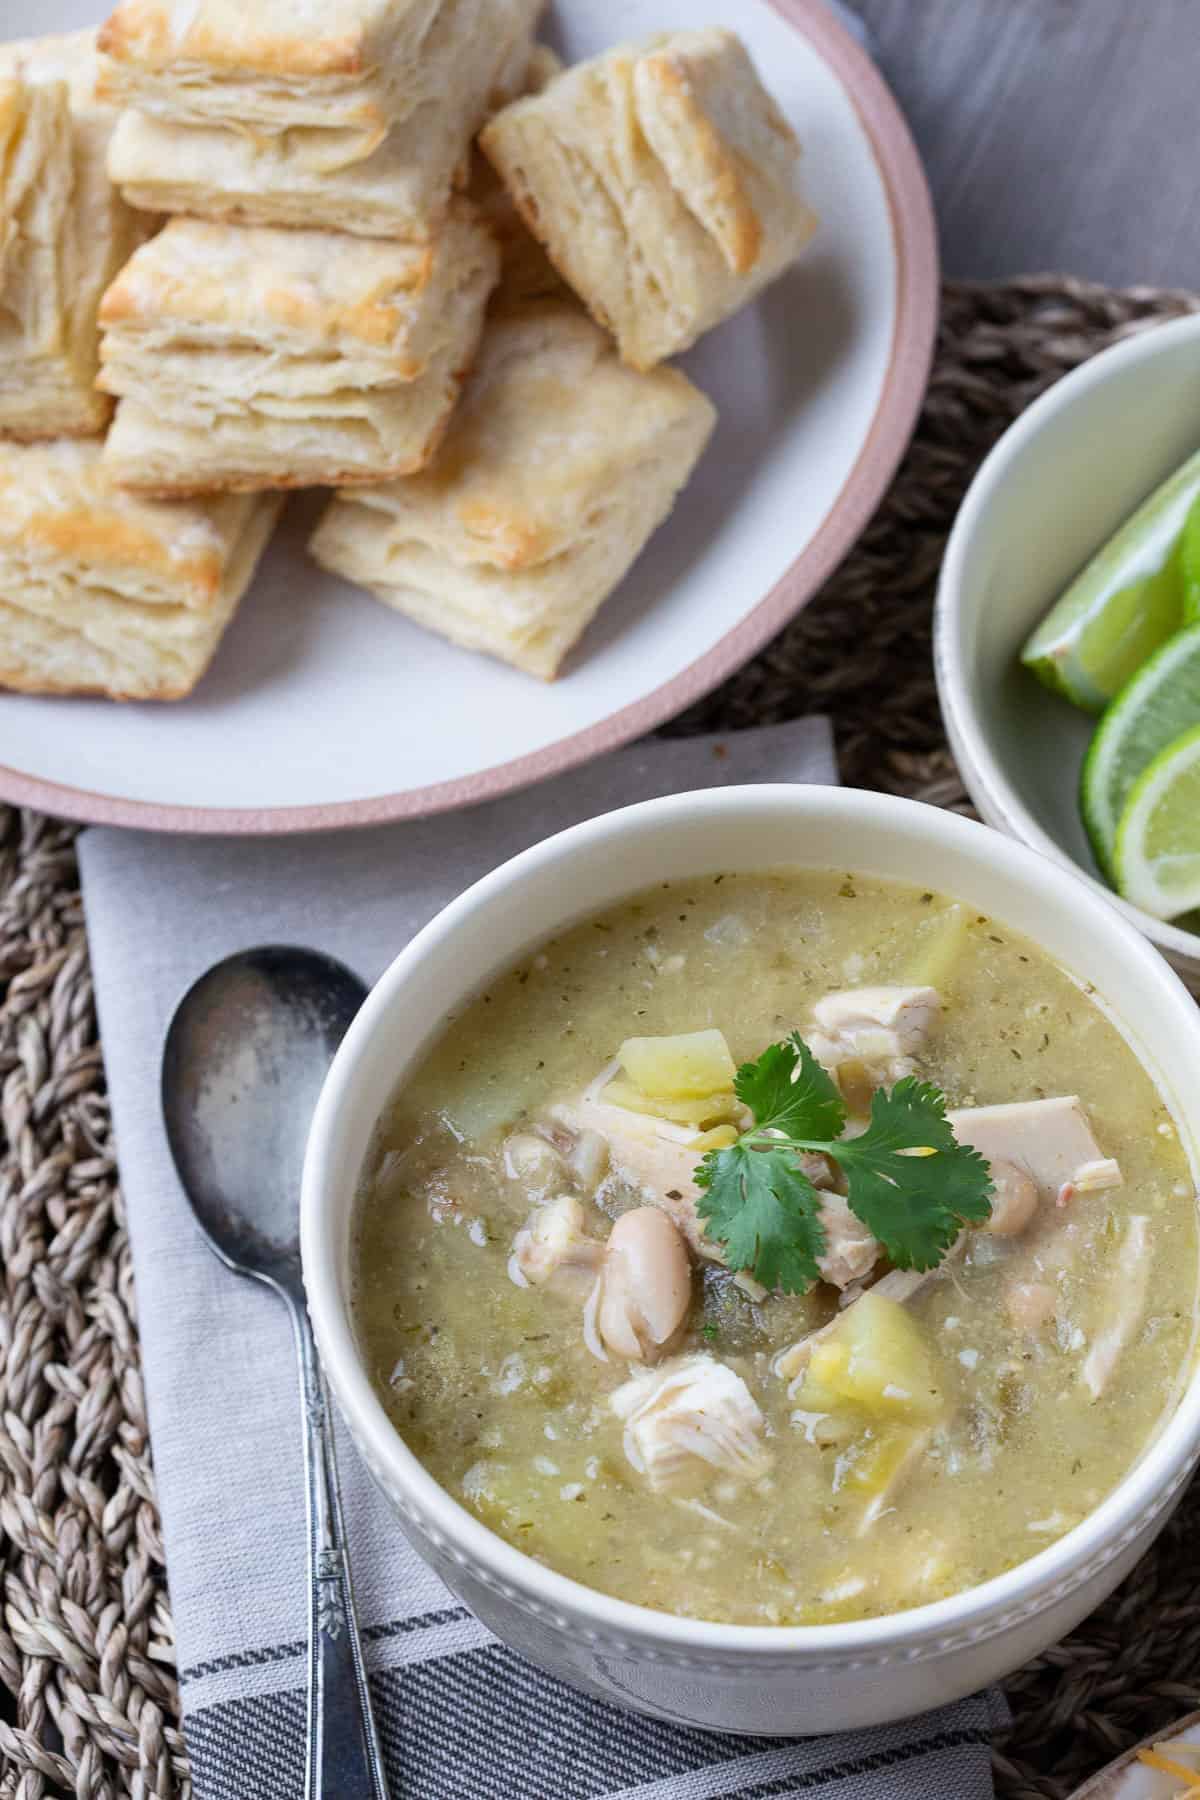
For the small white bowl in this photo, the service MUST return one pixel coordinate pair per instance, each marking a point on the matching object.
(1055, 488)
(803, 1679)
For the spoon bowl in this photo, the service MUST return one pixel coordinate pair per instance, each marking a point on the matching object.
(246, 1053)
(245, 1058)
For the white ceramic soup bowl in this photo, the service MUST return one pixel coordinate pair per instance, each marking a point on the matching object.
(1055, 488)
(803, 1679)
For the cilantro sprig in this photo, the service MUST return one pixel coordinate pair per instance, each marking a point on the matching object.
(909, 1180)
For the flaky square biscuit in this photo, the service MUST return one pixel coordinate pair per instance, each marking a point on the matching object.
(335, 78)
(103, 593)
(254, 356)
(557, 467)
(341, 73)
(401, 190)
(661, 179)
(63, 233)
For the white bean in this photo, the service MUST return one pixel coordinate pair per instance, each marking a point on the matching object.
(645, 1286)
(1014, 1199)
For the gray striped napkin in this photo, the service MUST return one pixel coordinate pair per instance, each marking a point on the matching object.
(461, 1717)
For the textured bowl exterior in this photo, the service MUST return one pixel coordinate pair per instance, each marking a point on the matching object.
(1048, 495)
(784, 1680)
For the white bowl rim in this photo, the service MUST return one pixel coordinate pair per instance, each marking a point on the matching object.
(981, 1607)
(982, 772)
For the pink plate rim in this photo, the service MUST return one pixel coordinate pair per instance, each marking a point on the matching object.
(915, 236)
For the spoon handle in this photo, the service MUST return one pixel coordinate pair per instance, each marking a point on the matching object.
(343, 1757)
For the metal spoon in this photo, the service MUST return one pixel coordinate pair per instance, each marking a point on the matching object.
(243, 1063)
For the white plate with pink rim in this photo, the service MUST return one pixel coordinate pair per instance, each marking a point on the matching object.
(1129, 1778)
(324, 708)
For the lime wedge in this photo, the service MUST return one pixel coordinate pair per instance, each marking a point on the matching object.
(1157, 853)
(1160, 703)
(1126, 601)
(1189, 565)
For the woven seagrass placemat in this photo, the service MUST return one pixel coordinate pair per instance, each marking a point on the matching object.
(88, 1703)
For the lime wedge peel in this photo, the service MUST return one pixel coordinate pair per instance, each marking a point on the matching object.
(1125, 602)
(1157, 852)
(1156, 707)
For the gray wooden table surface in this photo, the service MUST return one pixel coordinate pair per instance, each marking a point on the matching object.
(1058, 134)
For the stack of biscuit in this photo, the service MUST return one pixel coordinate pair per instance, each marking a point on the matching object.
(311, 322)
(311, 319)
(251, 356)
(98, 593)
(468, 343)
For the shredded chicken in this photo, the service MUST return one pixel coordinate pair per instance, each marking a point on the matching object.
(554, 1240)
(881, 1028)
(692, 1411)
(1050, 1140)
(655, 1156)
(1127, 1298)
(659, 1158)
(535, 1164)
(851, 1251)
(1035, 1148)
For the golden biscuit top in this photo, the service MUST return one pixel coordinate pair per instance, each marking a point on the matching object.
(60, 508)
(551, 421)
(694, 100)
(263, 284)
(69, 57)
(267, 37)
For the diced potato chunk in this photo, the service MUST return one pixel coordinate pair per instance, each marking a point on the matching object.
(688, 1066)
(939, 945)
(875, 1358)
(709, 1109)
(813, 1396)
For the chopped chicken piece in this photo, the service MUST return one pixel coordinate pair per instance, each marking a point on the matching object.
(1128, 1303)
(1050, 1140)
(585, 1153)
(880, 1028)
(656, 1156)
(535, 1163)
(1034, 1147)
(589, 1159)
(642, 1292)
(850, 1249)
(818, 1168)
(1014, 1199)
(693, 1410)
(901, 1284)
(553, 1239)
(907, 1014)
(659, 1158)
